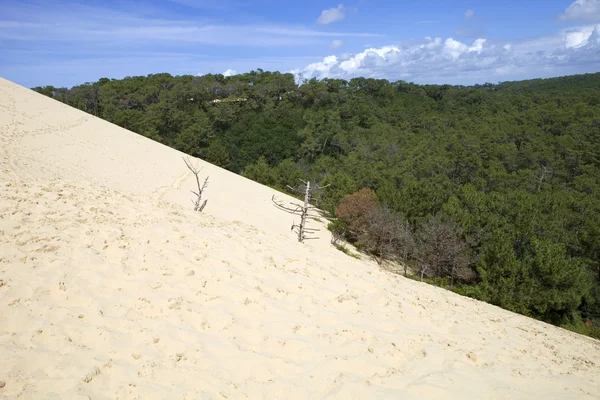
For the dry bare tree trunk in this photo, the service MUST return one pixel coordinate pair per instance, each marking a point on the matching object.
(305, 211)
(542, 177)
(198, 206)
(423, 269)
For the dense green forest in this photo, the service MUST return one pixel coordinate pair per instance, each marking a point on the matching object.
(491, 190)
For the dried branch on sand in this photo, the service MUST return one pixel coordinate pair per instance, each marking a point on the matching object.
(198, 204)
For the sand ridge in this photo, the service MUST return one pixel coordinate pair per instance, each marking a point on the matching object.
(112, 287)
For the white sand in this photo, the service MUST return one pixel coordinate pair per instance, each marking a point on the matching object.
(111, 287)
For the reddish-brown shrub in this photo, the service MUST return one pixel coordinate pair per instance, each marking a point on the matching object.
(354, 208)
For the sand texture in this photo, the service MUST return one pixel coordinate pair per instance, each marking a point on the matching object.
(112, 287)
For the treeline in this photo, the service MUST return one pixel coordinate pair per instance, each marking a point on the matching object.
(493, 190)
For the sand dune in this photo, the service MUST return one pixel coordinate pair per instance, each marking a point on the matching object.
(111, 287)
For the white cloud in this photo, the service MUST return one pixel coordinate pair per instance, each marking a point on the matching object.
(576, 38)
(454, 49)
(469, 14)
(336, 44)
(230, 72)
(331, 15)
(584, 10)
(451, 61)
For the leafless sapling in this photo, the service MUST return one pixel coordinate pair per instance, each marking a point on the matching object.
(198, 203)
(305, 211)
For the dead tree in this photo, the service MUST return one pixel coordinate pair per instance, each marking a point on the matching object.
(198, 206)
(337, 235)
(305, 211)
(543, 173)
(442, 252)
(385, 234)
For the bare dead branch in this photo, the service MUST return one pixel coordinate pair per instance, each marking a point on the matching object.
(197, 203)
(194, 170)
(202, 206)
(281, 206)
(293, 189)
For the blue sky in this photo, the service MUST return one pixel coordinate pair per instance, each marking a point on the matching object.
(67, 42)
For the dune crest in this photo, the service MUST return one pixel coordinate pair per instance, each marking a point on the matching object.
(112, 287)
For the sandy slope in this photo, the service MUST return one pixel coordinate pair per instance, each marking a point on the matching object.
(111, 287)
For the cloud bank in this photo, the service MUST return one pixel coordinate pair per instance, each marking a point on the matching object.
(451, 61)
